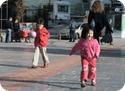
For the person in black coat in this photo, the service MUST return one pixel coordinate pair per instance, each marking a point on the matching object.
(9, 27)
(97, 15)
(16, 31)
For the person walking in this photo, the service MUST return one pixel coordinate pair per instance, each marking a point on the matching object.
(16, 31)
(72, 28)
(9, 26)
(89, 51)
(97, 15)
(41, 41)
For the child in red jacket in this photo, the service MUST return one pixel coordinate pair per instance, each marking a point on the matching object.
(41, 41)
(89, 51)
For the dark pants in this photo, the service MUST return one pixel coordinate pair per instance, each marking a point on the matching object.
(8, 35)
(107, 38)
(97, 35)
(72, 36)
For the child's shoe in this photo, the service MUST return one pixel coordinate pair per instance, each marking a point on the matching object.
(83, 84)
(93, 83)
(45, 65)
(33, 66)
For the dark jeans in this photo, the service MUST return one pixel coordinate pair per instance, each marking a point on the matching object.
(72, 36)
(8, 35)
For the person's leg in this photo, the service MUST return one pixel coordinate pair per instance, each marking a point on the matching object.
(35, 58)
(44, 56)
(84, 72)
(9, 37)
(92, 71)
(74, 36)
(70, 36)
(97, 35)
(7, 34)
(111, 39)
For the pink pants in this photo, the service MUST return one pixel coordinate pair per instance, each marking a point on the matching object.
(88, 69)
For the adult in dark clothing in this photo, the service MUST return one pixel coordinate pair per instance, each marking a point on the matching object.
(9, 27)
(72, 28)
(16, 31)
(107, 38)
(97, 15)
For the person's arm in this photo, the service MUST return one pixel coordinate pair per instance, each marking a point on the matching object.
(97, 48)
(47, 33)
(76, 47)
(90, 17)
(44, 32)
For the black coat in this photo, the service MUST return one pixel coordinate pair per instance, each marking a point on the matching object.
(100, 21)
(16, 27)
(9, 24)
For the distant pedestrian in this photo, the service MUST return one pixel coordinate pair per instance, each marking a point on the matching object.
(16, 31)
(89, 51)
(9, 27)
(41, 41)
(72, 27)
(98, 16)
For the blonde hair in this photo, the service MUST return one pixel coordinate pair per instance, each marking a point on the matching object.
(97, 7)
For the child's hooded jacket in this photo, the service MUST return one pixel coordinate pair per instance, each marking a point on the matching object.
(88, 48)
(41, 37)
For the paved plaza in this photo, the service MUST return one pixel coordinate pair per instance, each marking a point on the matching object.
(63, 72)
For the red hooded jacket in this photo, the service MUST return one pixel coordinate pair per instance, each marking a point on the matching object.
(41, 37)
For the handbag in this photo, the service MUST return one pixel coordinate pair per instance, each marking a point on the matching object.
(107, 38)
(103, 31)
(92, 23)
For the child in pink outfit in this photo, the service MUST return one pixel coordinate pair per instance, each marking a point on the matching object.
(89, 51)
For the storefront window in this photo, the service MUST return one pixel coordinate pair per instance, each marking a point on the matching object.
(63, 8)
(3, 14)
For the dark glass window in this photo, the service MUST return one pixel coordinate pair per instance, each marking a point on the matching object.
(62, 8)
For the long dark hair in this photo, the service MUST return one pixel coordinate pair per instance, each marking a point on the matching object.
(85, 30)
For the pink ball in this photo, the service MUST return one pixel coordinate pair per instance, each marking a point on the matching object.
(33, 34)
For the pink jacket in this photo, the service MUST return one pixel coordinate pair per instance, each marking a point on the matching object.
(41, 37)
(88, 48)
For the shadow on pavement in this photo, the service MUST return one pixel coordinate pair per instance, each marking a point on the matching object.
(12, 65)
(62, 84)
(113, 53)
(104, 52)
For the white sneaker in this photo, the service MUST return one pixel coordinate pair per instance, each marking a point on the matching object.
(1, 88)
